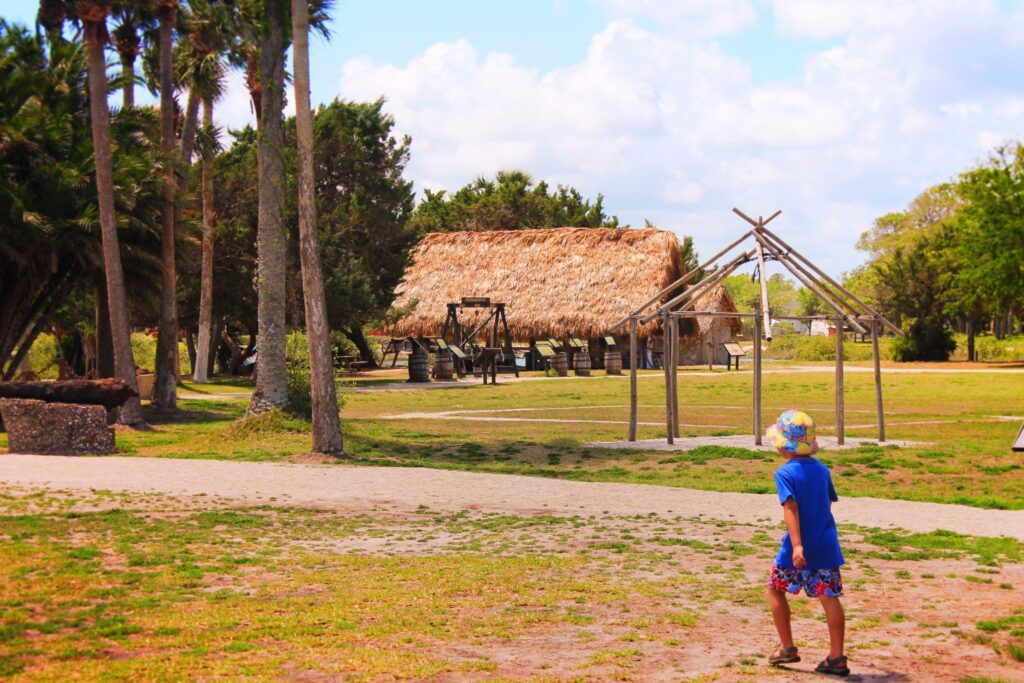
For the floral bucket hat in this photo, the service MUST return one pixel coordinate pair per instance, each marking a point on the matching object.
(794, 433)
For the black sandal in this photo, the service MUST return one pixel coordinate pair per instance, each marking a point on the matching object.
(784, 655)
(836, 667)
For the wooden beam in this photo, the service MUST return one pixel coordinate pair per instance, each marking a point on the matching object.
(878, 380)
(675, 376)
(836, 296)
(763, 280)
(812, 286)
(680, 282)
(825, 276)
(840, 408)
(757, 379)
(632, 377)
(667, 367)
(700, 287)
(713, 314)
(758, 222)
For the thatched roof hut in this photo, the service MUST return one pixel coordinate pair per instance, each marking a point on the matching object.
(717, 299)
(554, 281)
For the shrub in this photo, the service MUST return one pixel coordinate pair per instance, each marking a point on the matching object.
(43, 355)
(144, 350)
(300, 401)
(818, 348)
(925, 340)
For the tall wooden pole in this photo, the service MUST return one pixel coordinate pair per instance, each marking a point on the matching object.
(762, 278)
(840, 412)
(878, 379)
(675, 376)
(757, 379)
(666, 364)
(632, 377)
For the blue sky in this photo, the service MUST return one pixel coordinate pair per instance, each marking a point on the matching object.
(835, 111)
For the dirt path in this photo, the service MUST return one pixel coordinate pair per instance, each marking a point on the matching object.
(367, 488)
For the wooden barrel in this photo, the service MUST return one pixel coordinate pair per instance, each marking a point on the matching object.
(419, 367)
(581, 363)
(443, 366)
(613, 362)
(560, 364)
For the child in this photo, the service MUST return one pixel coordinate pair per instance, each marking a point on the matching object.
(810, 557)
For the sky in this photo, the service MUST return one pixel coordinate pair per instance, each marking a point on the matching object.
(834, 111)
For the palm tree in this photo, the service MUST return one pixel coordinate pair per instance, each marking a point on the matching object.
(271, 376)
(210, 26)
(134, 23)
(93, 16)
(165, 395)
(326, 422)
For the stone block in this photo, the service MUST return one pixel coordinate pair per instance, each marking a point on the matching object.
(56, 428)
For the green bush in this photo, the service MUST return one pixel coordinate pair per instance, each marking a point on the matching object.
(144, 351)
(819, 348)
(925, 340)
(43, 356)
(300, 401)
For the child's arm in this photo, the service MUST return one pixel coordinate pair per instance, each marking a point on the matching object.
(791, 514)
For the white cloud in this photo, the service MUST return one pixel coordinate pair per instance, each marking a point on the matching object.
(673, 128)
(691, 17)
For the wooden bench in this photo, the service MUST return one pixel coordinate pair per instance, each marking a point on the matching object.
(735, 351)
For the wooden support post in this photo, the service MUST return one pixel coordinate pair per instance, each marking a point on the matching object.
(675, 376)
(757, 379)
(878, 379)
(667, 367)
(762, 278)
(633, 360)
(840, 412)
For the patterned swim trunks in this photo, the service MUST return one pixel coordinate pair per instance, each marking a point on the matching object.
(814, 582)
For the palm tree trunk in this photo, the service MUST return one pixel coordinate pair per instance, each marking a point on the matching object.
(271, 377)
(104, 342)
(95, 36)
(165, 395)
(128, 88)
(326, 422)
(206, 281)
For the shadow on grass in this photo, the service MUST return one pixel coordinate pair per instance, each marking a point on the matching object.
(194, 412)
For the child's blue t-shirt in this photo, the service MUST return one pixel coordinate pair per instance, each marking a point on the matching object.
(809, 483)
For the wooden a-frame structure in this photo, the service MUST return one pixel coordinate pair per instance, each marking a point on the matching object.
(675, 302)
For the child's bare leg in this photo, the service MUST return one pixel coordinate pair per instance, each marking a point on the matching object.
(780, 614)
(836, 624)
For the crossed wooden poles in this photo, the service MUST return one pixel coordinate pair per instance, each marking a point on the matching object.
(847, 307)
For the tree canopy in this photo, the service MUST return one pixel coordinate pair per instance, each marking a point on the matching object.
(510, 201)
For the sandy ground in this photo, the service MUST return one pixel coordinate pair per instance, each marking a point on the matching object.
(363, 488)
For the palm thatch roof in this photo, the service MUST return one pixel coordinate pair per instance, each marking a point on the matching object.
(554, 281)
(716, 299)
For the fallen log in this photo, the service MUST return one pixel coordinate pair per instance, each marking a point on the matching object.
(109, 393)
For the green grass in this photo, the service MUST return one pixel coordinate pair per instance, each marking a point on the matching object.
(163, 592)
(119, 586)
(967, 459)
